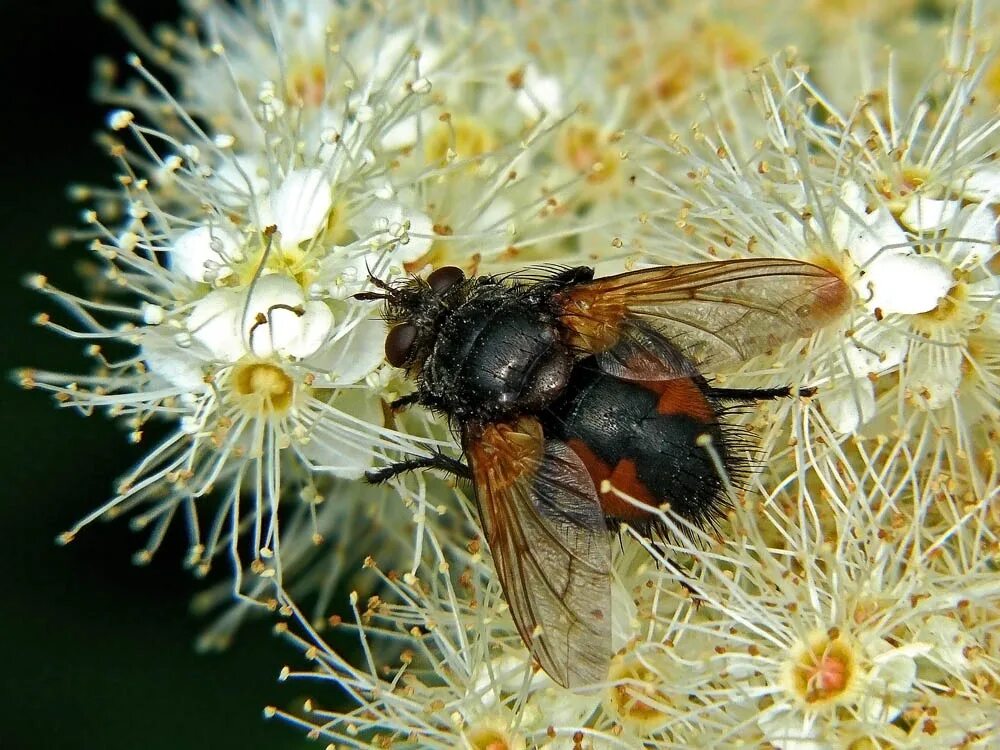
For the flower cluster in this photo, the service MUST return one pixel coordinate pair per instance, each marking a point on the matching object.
(795, 629)
(304, 149)
(848, 600)
(899, 197)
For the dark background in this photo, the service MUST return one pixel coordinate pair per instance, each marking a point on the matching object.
(96, 654)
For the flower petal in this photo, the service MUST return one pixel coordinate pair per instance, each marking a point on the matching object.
(215, 323)
(790, 731)
(238, 179)
(272, 320)
(934, 373)
(382, 224)
(203, 254)
(948, 641)
(979, 235)
(335, 446)
(343, 272)
(927, 214)
(848, 407)
(983, 184)
(350, 358)
(300, 206)
(183, 367)
(313, 330)
(405, 132)
(865, 235)
(875, 351)
(539, 95)
(906, 284)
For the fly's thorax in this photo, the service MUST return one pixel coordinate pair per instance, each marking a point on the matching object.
(493, 358)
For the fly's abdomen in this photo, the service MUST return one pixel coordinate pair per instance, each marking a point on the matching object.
(644, 444)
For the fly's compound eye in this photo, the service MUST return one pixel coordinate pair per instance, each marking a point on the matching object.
(399, 342)
(445, 278)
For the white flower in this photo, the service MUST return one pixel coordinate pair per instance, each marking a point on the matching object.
(266, 381)
(302, 149)
(849, 598)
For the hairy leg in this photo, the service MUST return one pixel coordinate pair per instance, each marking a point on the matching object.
(747, 395)
(436, 461)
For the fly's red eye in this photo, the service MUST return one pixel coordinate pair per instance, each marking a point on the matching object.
(444, 278)
(399, 342)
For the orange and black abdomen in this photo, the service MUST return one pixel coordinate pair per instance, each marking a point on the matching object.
(646, 440)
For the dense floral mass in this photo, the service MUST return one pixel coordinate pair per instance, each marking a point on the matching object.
(273, 158)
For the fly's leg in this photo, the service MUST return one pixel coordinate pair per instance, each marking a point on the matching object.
(436, 461)
(402, 403)
(747, 395)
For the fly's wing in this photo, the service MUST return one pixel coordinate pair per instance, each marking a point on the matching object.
(550, 546)
(715, 313)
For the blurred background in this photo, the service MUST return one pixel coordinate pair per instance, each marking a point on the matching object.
(97, 653)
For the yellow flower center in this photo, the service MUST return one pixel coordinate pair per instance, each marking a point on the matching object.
(822, 670)
(950, 311)
(307, 84)
(636, 699)
(491, 738)
(585, 148)
(261, 386)
(991, 81)
(458, 138)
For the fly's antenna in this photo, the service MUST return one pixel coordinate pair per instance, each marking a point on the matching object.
(366, 296)
(377, 282)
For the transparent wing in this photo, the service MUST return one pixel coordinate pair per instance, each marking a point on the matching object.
(715, 313)
(640, 353)
(550, 546)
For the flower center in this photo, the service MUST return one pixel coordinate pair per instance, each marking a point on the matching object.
(264, 386)
(949, 311)
(585, 148)
(489, 738)
(307, 82)
(458, 138)
(823, 669)
(636, 699)
(899, 188)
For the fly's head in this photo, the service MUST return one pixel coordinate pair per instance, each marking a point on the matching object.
(415, 309)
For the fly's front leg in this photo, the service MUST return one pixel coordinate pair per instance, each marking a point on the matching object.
(435, 461)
